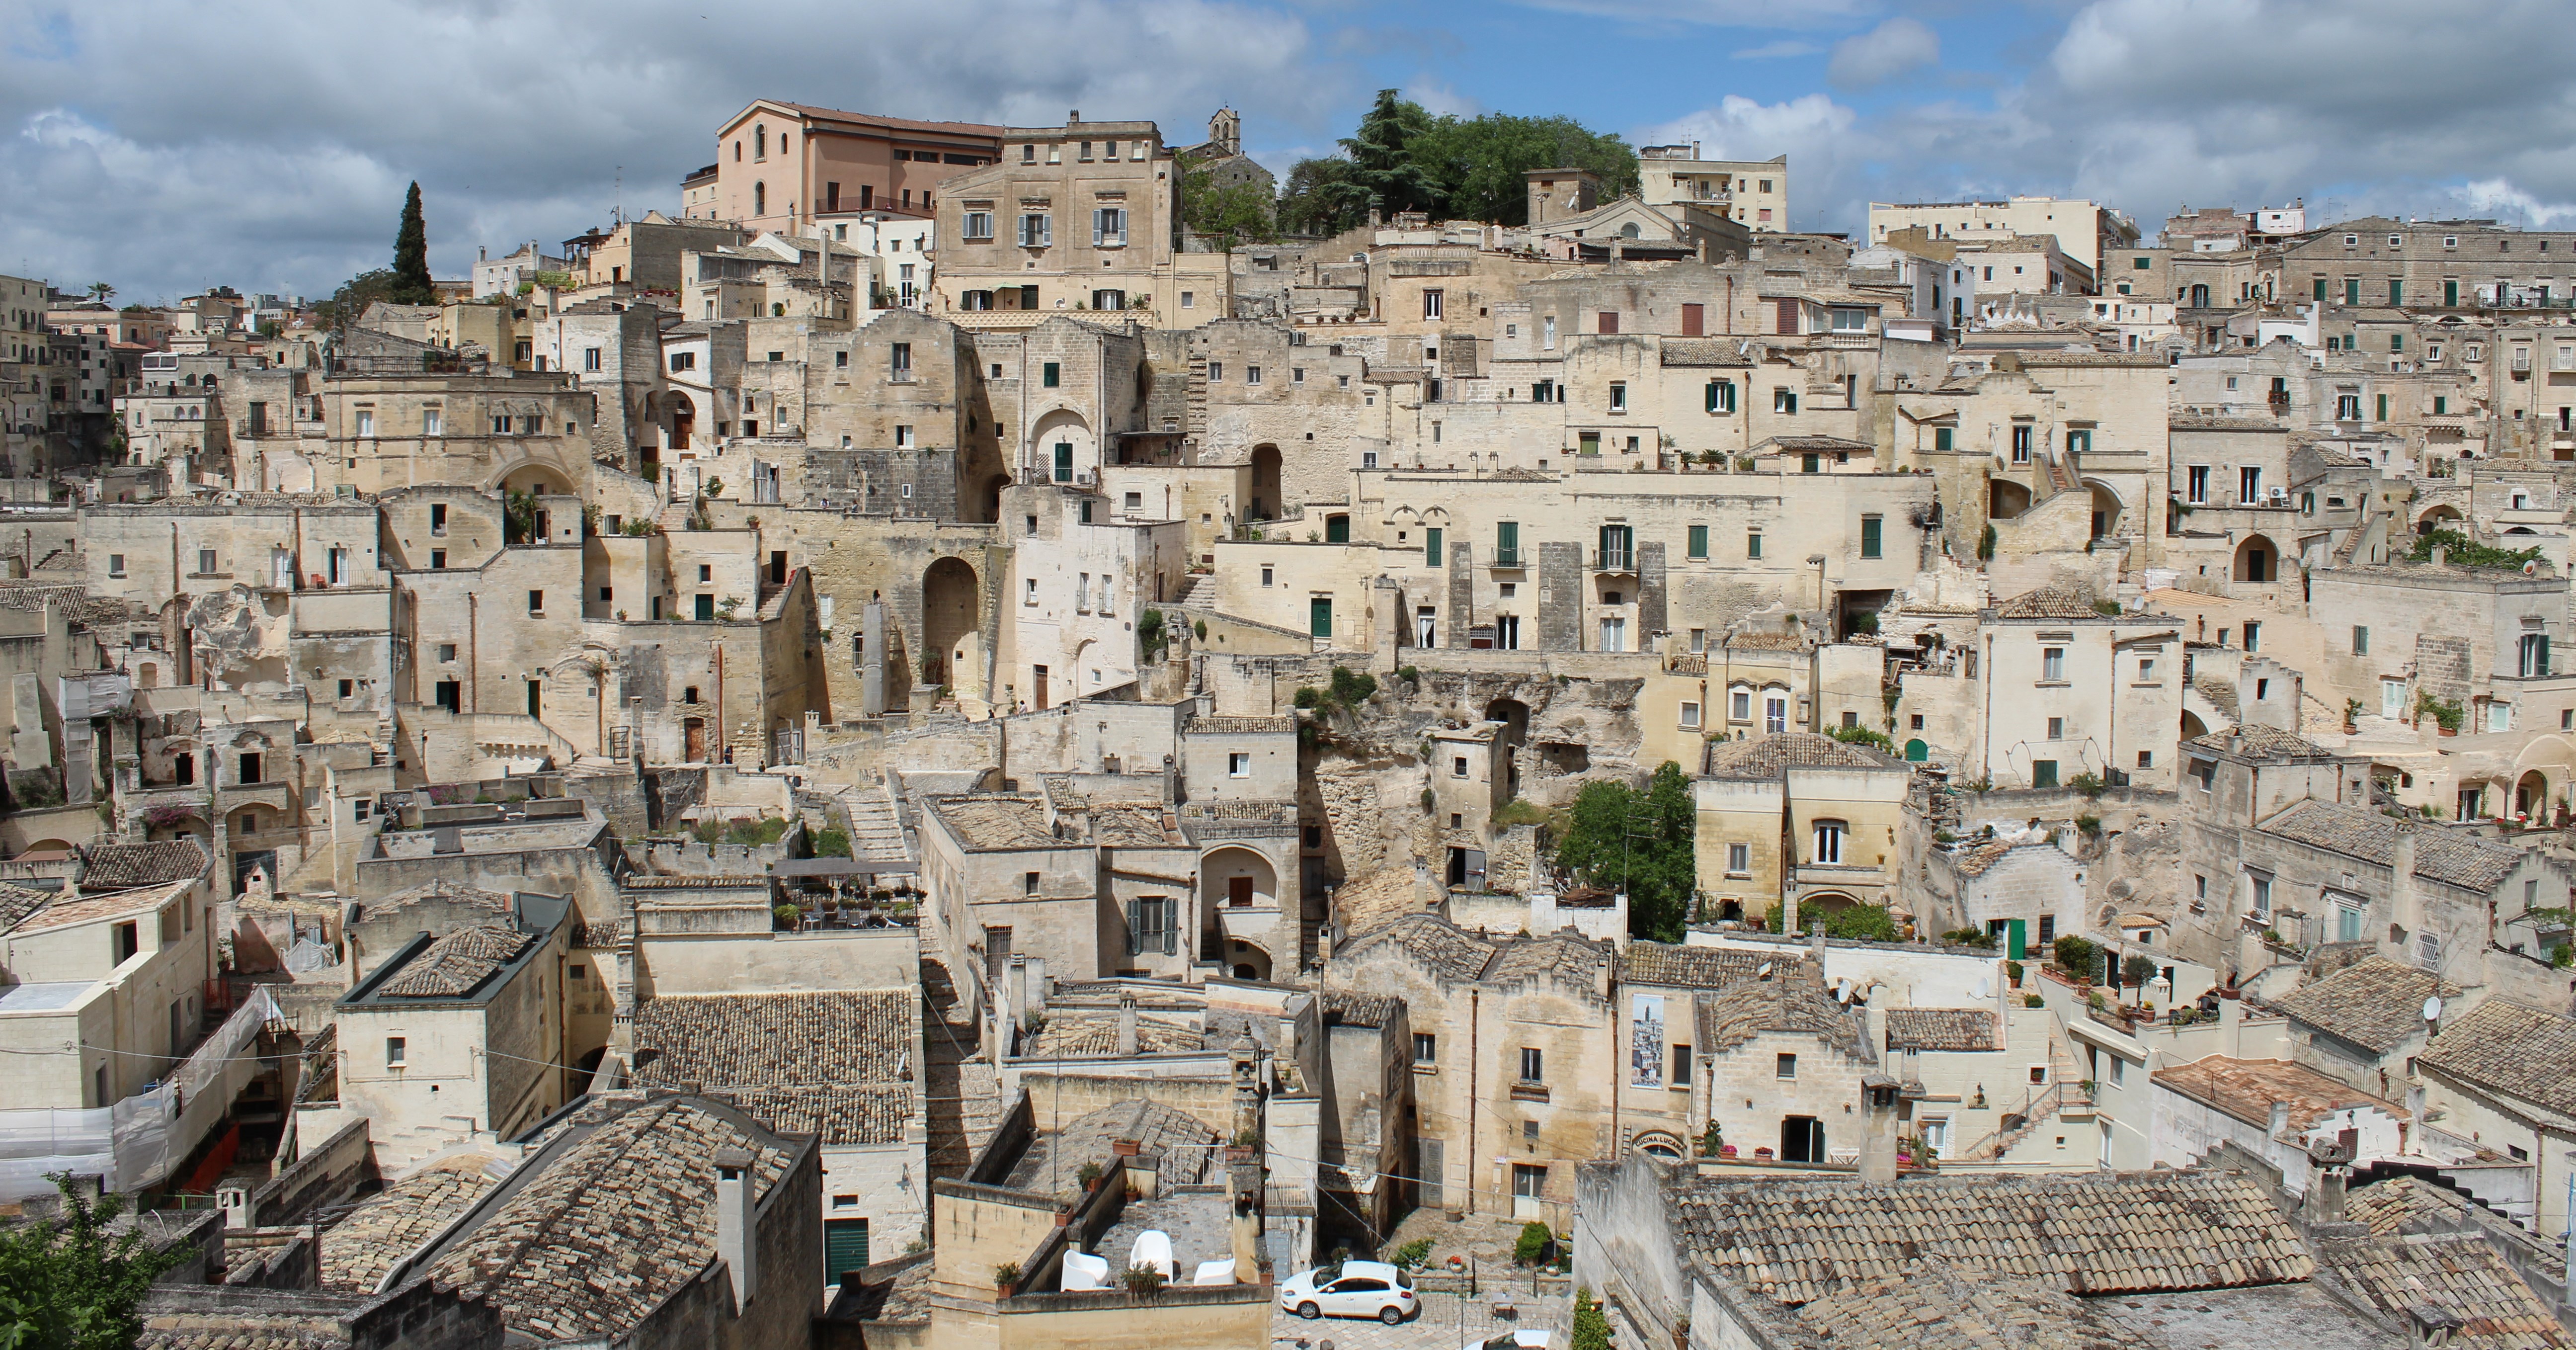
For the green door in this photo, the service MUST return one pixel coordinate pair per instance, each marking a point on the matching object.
(1916, 751)
(1064, 461)
(845, 1247)
(2043, 773)
(1337, 529)
(2014, 935)
(1319, 616)
(1431, 547)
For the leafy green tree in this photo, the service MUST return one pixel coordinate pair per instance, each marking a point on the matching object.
(1591, 1328)
(412, 285)
(1238, 213)
(100, 291)
(74, 1283)
(1478, 166)
(353, 297)
(1322, 197)
(1381, 155)
(1640, 843)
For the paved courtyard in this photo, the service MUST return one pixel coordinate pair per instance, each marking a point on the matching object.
(1446, 1322)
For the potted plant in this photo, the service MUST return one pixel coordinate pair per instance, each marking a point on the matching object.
(1141, 1279)
(1088, 1174)
(1006, 1277)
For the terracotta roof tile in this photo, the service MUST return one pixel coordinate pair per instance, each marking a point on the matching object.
(1688, 967)
(118, 866)
(2457, 1274)
(454, 965)
(1774, 755)
(2374, 1003)
(1792, 1000)
(2472, 864)
(390, 1225)
(838, 1065)
(1942, 1029)
(2512, 1050)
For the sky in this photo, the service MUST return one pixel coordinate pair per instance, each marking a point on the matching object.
(163, 146)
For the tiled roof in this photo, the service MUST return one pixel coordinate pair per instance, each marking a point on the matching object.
(199, 1317)
(2049, 602)
(2256, 741)
(1774, 755)
(118, 866)
(1798, 1241)
(1093, 1034)
(1350, 1008)
(2458, 1274)
(17, 902)
(2478, 865)
(2248, 1089)
(1942, 1029)
(2512, 1050)
(1975, 860)
(1688, 967)
(838, 1065)
(390, 1225)
(2222, 693)
(1932, 1308)
(1705, 352)
(2374, 1003)
(616, 1219)
(1793, 1000)
(997, 822)
(1238, 726)
(1446, 949)
(1570, 959)
(496, 901)
(64, 912)
(2390, 1206)
(1053, 1160)
(452, 966)
(1371, 902)
(1131, 825)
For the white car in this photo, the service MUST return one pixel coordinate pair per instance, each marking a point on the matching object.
(1351, 1289)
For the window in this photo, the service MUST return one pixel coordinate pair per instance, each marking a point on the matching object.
(366, 422)
(1458, 766)
(1618, 396)
(1533, 1065)
(2360, 640)
(2057, 728)
(2021, 443)
(1785, 1066)
(394, 1052)
(1609, 321)
(1051, 374)
(1216, 372)
(1699, 540)
(1426, 1048)
(1784, 400)
(1775, 713)
(432, 424)
(902, 436)
(1739, 859)
(2043, 773)
(2052, 664)
(2079, 441)
(1432, 301)
(2146, 670)
(898, 362)
(1238, 765)
(1109, 227)
(2261, 887)
(1037, 230)
(1720, 396)
(1252, 375)
(1681, 1066)
(537, 603)
(1690, 716)
(2535, 656)
(979, 226)
(1753, 544)
(1829, 841)
(1739, 705)
(1431, 547)
(2196, 489)
(1869, 536)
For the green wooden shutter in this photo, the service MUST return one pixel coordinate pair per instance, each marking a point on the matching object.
(2352, 290)
(1699, 541)
(1171, 925)
(845, 1248)
(1319, 616)
(1431, 547)
(1507, 543)
(2540, 654)
(1337, 529)
(2321, 288)
(2451, 294)
(1869, 537)
(2383, 407)
(2396, 291)
(1941, 439)
(1135, 927)
(1064, 461)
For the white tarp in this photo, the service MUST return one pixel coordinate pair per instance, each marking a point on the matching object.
(137, 1141)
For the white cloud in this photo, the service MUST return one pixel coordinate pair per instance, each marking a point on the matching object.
(1882, 54)
(1773, 51)
(1725, 13)
(160, 144)
(1441, 99)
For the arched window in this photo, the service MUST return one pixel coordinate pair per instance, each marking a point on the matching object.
(760, 199)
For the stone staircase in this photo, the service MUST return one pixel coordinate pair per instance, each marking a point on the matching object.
(965, 1097)
(1200, 593)
(876, 832)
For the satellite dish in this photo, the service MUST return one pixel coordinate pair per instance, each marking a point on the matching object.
(2433, 1008)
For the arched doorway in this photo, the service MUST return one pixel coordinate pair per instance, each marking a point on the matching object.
(2106, 511)
(951, 608)
(2257, 559)
(1237, 878)
(1065, 448)
(2440, 517)
(684, 421)
(1916, 751)
(2531, 795)
(2192, 727)
(1515, 717)
(1246, 960)
(2006, 499)
(988, 499)
(1265, 484)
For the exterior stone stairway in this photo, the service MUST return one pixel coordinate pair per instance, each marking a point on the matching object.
(965, 1097)
(1199, 593)
(876, 833)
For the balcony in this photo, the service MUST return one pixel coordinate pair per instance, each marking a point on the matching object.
(1614, 560)
(1506, 557)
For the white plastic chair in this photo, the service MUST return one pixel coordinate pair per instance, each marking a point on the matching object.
(1084, 1271)
(1214, 1272)
(1154, 1248)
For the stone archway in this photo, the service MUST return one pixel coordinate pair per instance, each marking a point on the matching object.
(2108, 511)
(1235, 877)
(952, 607)
(2006, 499)
(2531, 794)
(2258, 559)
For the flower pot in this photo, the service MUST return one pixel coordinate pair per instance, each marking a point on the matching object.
(2448, 731)
(1125, 1148)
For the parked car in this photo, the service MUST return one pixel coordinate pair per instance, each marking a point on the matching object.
(1351, 1289)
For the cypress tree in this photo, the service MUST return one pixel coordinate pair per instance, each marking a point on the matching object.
(411, 256)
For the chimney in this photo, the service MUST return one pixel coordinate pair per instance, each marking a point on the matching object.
(1879, 1104)
(2325, 1198)
(2441, 554)
(1816, 943)
(1073, 118)
(2429, 1326)
(1126, 1026)
(2401, 882)
(1789, 913)
(737, 1243)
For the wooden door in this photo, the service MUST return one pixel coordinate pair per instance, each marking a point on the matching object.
(1038, 688)
(697, 736)
(1238, 892)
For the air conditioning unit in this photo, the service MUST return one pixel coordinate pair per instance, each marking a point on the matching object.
(2278, 493)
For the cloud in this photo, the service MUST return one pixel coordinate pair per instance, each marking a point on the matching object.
(161, 144)
(1882, 54)
(1724, 13)
(1773, 51)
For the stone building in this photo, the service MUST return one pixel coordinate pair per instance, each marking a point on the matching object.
(1797, 822)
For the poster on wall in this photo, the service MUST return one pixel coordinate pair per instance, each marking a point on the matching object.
(1646, 1042)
